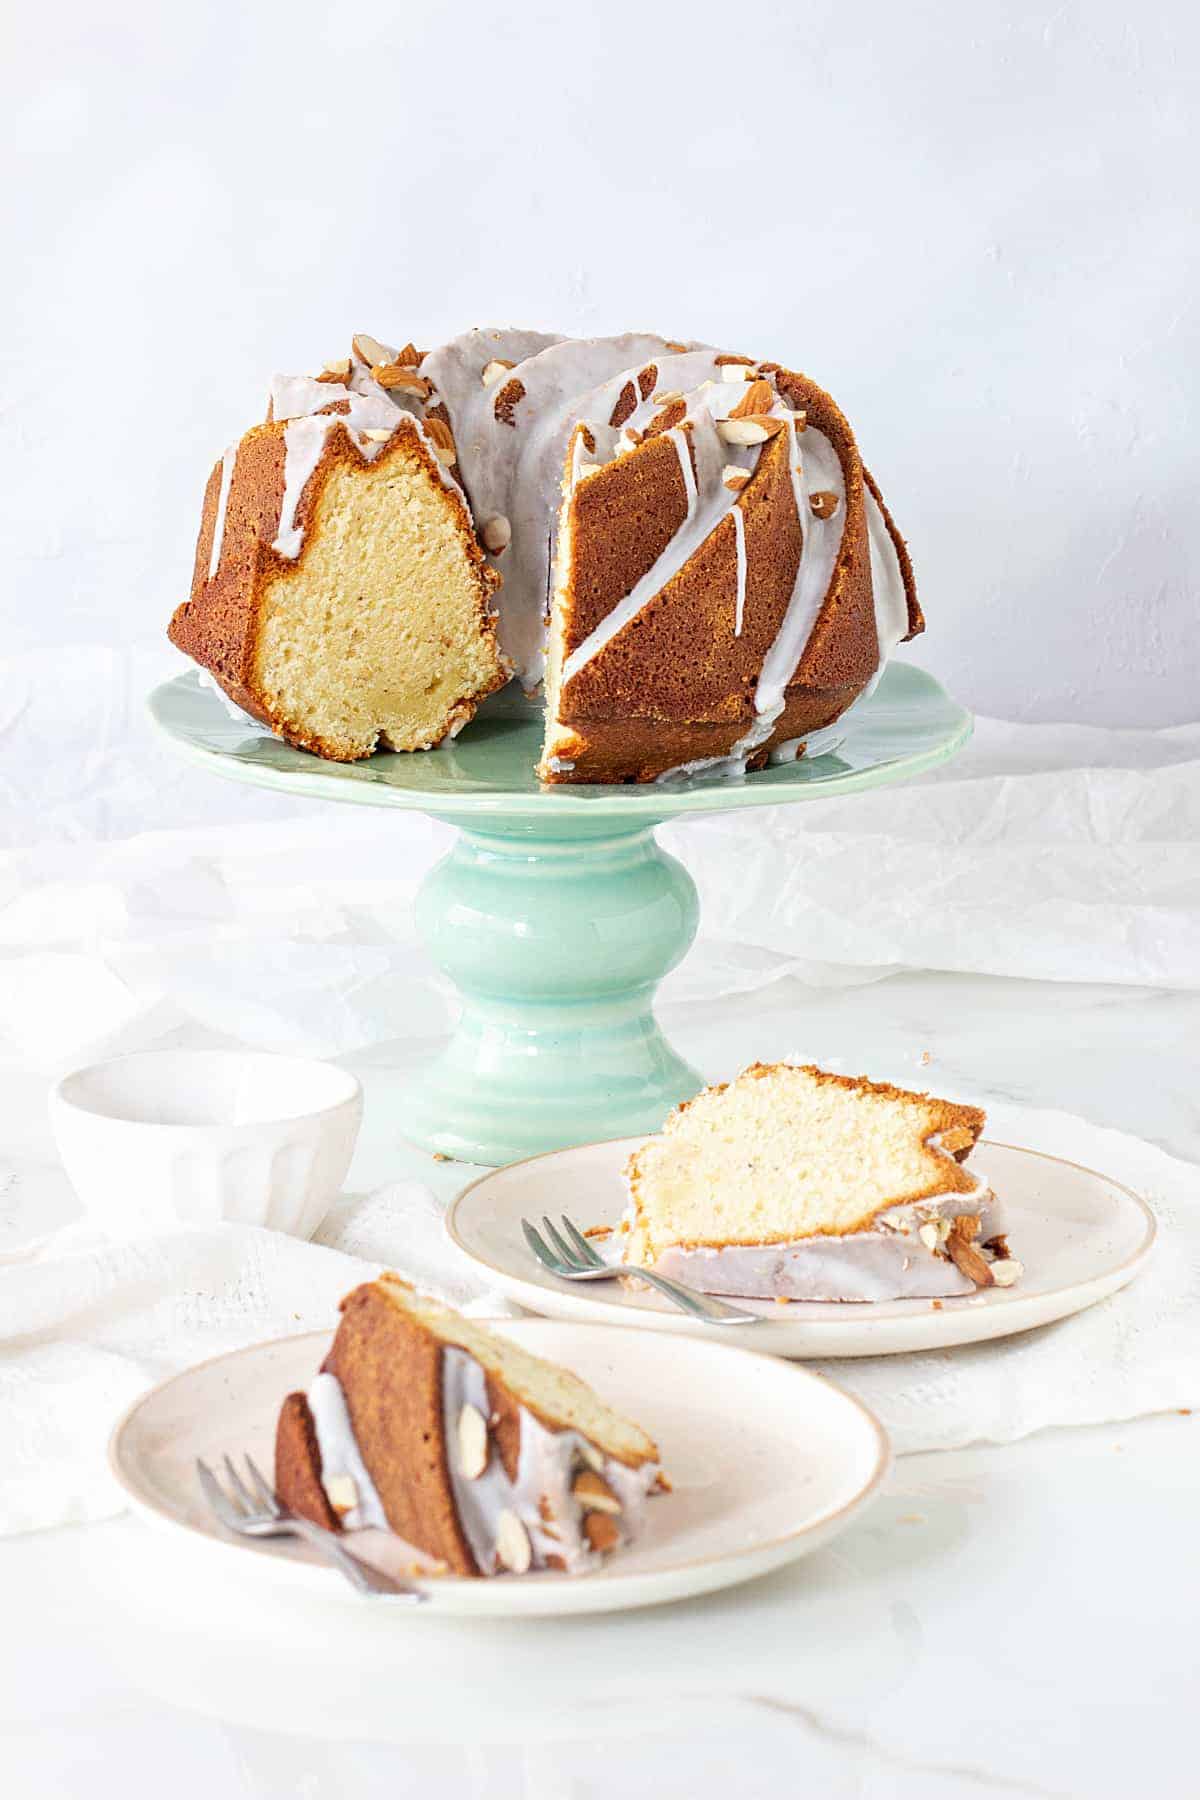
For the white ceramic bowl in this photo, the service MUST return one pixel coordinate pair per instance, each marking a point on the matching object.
(194, 1136)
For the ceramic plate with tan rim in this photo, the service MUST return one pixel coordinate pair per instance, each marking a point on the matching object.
(767, 1463)
(1079, 1236)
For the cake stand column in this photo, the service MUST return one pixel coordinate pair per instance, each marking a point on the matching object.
(556, 934)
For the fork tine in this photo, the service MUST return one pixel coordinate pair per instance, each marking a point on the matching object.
(215, 1494)
(265, 1492)
(242, 1495)
(564, 1252)
(539, 1249)
(586, 1250)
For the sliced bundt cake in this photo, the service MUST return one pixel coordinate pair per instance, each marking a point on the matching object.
(692, 535)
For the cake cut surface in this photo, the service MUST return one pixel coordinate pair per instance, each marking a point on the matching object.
(791, 1182)
(348, 608)
(480, 1455)
(680, 544)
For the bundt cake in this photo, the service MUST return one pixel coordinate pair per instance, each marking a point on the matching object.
(682, 546)
(476, 1453)
(791, 1183)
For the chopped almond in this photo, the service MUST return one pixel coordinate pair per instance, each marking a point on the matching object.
(442, 440)
(965, 1254)
(759, 397)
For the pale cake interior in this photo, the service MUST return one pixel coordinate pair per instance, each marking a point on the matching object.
(785, 1153)
(557, 1397)
(374, 638)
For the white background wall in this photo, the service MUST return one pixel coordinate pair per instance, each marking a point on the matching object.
(974, 223)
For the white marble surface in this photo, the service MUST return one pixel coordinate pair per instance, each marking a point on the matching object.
(1014, 1620)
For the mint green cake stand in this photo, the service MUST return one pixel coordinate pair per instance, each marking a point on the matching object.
(556, 914)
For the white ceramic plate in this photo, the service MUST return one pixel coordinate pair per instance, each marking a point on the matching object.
(1079, 1235)
(767, 1463)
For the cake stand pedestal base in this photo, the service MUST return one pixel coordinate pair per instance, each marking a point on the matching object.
(556, 942)
(556, 914)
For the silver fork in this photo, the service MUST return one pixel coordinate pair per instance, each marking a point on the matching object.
(260, 1514)
(574, 1259)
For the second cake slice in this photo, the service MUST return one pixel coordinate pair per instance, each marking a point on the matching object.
(484, 1457)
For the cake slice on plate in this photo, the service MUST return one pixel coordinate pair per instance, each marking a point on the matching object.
(480, 1455)
(790, 1183)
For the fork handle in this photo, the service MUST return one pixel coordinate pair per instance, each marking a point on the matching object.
(691, 1300)
(366, 1579)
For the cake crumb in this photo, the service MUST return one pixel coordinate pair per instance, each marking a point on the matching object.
(440, 1156)
(936, 1305)
(783, 1299)
(912, 1518)
(598, 1231)
(1185, 1412)
(926, 1059)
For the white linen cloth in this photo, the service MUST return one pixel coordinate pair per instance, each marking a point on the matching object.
(86, 1325)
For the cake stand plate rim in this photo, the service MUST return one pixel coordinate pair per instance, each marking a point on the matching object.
(911, 716)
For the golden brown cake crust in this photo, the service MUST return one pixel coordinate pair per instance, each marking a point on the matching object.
(218, 625)
(676, 684)
(390, 1375)
(390, 1370)
(298, 1465)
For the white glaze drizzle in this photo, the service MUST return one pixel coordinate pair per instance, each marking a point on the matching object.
(547, 1462)
(228, 463)
(822, 540)
(818, 743)
(303, 443)
(679, 439)
(517, 469)
(340, 1454)
(887, 583)
(235, 712)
